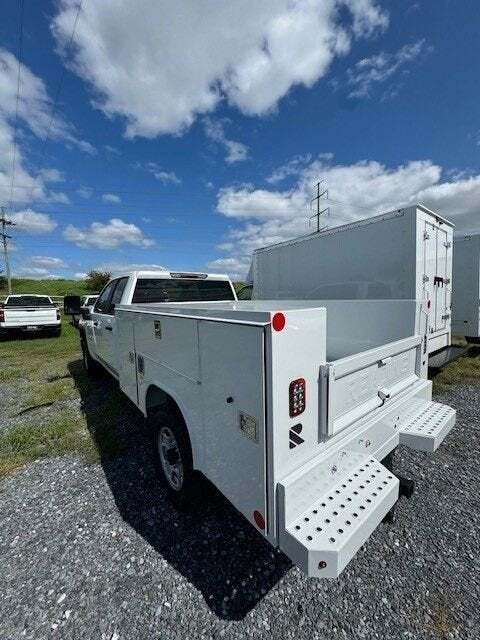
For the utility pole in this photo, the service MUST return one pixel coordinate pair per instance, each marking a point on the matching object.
(4, 223)
(321, 192)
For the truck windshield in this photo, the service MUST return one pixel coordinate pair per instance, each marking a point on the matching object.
(180, 290)
(29, 301)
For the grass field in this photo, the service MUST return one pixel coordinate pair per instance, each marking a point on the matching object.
(48, 386)
(48, 287)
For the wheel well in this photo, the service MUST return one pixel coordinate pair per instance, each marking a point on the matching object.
(157, 399)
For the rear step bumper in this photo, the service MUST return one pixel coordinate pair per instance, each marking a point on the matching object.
(329, 508)
(324, 538)
(428, 426)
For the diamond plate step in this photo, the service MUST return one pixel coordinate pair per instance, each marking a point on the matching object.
(428, 427)
(326, 536)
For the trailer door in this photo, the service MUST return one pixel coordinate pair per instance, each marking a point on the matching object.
(441, 286)
(233, 397)
(430, 269)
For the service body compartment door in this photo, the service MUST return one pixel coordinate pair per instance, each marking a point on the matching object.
(233, 393)
(360, 384)
(124, 346)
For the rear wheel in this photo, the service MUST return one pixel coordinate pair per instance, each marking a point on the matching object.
(472, 339)
(173, 457)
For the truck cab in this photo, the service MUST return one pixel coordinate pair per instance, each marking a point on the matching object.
(145, 287)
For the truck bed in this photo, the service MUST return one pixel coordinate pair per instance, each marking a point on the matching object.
(232, 372)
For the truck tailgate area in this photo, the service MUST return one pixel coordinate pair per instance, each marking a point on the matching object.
(329, 508)
(30, 316)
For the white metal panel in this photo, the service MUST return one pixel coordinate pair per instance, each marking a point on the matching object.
(466, 286)
(125, 355)
(427, 426)
(233, 396)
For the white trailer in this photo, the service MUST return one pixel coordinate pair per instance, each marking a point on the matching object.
(287, 407)
(466, 287)
(403, 254)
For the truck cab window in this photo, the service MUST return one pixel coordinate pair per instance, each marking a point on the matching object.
(118, 293)
(103, 303)
(180, 290)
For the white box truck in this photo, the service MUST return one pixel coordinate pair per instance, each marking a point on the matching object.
(466, 288)
(287, 407)
(403, 254)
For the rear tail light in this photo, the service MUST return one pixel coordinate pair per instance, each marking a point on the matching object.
(296, 397)
(58, 314)
(2, 315)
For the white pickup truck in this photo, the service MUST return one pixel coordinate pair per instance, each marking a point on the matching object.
(141, 287)
(30, 312)
(288, 407)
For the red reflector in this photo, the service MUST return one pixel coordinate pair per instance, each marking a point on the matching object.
(259, 520)
(278, 321)
(296, 397)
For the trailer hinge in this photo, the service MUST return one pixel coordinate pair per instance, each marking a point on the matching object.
(425, 278)
(446, 316)
(447, 280)
(426, 236)
(447, 245)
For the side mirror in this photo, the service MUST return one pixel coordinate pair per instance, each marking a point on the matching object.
(71, 305)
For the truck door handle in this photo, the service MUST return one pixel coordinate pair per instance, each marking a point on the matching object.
(108, 328)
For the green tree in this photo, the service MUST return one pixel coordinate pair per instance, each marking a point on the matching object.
(96, 280)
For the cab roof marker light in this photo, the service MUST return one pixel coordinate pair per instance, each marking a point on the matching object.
(181, 274)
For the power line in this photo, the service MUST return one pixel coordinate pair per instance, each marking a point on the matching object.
(17, 101)
(53, 110)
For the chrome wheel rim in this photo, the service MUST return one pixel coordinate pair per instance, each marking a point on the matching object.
(170, 458)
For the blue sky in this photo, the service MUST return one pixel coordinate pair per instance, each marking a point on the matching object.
(187, 134)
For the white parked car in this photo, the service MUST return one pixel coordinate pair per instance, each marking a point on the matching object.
(30, 312)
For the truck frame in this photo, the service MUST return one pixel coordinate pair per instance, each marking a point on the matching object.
(287, 407)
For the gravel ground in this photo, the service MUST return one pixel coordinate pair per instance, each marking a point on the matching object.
(97, 552)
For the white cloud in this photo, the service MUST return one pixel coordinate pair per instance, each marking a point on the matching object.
(159, 64)
(85, 192)
(165, 177)
(236, 151)
(356, 191)
(115, 268)
(32, 222)
(47, 261)
(107, 236)
(293, 167)
(34, 111)
(80, 275)
(111, 198)
(236, 268)
(35, 273)
(381, 67)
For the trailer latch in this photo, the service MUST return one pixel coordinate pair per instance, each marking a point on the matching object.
(438, 280)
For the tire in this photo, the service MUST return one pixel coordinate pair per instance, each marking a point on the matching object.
(173, 457)
(56, 333)
(472, 339)
(90, 365)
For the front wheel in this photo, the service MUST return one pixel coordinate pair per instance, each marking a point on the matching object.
(90, 365)
(173, 456)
